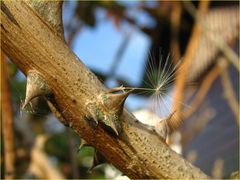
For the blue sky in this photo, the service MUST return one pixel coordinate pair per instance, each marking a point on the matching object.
(97, 47)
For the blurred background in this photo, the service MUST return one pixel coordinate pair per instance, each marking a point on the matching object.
(125, 43)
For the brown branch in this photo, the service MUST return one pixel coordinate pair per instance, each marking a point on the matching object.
(33, 45)
(7, 122)
(40, 164)
(181, 79)
(202, 92)
(175, 26)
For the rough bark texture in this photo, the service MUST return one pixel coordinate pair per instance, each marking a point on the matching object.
(33, 45)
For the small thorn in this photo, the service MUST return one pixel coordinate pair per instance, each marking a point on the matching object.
(114, 125)
(83, 143)
(36, 86)
(114, 103)
(115, 130)
(121, 88)
(162, 128)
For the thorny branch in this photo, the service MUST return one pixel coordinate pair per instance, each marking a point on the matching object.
(35, 47)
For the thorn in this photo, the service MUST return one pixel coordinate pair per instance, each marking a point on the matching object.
(162, 128)
(115, 129)
(114, 103)
(36, 86)
(113, 124)
(121, 88)
(83, 143)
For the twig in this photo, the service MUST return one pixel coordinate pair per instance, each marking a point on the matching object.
(175, 24)
(207, 82)
(228, 89)
(213, 36)
(7, 122)
(218, 168)
(40, 164)
(181, 79)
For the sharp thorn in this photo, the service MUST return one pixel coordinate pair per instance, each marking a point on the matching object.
(116, 101)
(36, 86)
(83, 143)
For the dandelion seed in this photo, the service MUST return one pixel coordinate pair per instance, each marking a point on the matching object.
(159, 80)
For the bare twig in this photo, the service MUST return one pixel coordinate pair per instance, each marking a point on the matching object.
(228, 89)
(181, 79)
(40, 165)
(218, 168)
(202, 92)
(175, 24)
(7, 122)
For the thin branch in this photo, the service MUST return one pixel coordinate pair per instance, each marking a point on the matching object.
(7, 122)
(202, 92)
(40, 164)
(175, 26)
(181, 79)
(228, 89)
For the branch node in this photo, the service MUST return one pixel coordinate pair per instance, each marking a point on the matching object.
(108, 107)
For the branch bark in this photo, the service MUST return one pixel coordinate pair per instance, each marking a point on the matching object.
(33, 45)
(7, 122)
